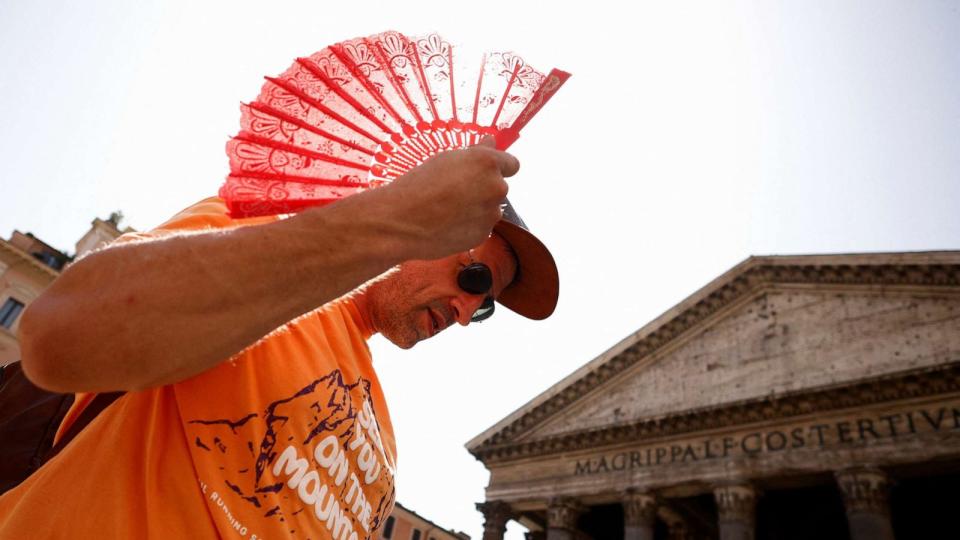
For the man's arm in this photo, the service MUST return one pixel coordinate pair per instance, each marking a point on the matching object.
(150, 313)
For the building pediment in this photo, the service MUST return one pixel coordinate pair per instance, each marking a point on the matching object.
(773, 330)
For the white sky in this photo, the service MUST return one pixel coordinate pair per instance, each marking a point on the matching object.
(692, 135)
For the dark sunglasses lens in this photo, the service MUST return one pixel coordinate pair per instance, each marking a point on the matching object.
(475, 279)
(484, 311)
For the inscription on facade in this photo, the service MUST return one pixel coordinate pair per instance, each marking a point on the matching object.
(849, 432)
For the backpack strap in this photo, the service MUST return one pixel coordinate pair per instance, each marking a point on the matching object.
(29, 419)
(96, 406)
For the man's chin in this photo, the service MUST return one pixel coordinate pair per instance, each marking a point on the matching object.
(406, 345)
(405, 342)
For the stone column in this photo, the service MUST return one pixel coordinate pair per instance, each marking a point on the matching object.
(866, 494)
(678, 530)
(562, 517)
(736, 506)
(496, 514)
(639, 515)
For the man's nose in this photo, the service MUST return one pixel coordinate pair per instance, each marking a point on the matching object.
(465, 305)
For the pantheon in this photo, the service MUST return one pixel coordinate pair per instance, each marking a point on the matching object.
(793, 397)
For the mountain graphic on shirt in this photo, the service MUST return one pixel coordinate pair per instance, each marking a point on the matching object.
(248, 446)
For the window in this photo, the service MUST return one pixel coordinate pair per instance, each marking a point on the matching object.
(49, 259)
(9, 312)
(388, 527)
(415, 535)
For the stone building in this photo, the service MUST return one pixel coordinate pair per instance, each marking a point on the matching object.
(405, 524)
(793, 397)
(28, 266)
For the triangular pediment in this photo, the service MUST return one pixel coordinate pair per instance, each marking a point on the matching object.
(771, 326)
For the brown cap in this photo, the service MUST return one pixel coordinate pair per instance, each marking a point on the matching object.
(534, 290)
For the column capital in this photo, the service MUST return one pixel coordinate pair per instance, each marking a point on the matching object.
(864, 490)
(562, 513)
(639, 508)
(736, 502)
(496, 514)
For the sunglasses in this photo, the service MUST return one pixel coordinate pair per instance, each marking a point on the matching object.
(476, 278)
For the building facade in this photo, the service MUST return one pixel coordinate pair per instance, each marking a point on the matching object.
(405, 524)
(791, 398)
(27, 267)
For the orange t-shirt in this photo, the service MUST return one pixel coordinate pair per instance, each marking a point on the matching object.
(289, 438)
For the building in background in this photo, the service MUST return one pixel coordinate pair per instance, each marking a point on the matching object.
(793, 397)
(405, 524)
(28, 266)
(102, 232)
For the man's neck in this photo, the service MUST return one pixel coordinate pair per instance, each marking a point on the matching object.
(362, 303)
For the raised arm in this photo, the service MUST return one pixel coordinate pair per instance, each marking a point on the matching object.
(149, 313)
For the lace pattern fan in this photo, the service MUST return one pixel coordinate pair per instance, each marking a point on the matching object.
(362, 112)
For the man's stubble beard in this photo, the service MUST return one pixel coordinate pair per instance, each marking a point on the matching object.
(391, 317)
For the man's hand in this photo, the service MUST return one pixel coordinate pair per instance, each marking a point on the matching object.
(451, 202)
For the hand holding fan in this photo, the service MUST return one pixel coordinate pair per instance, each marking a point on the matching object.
(363, 112)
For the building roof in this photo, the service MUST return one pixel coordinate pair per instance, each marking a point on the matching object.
(886, 270)
(432, 524)
(33, 263)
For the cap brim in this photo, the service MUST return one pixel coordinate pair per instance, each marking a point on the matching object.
(534, 292)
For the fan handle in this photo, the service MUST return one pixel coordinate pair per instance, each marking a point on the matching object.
(551, 83)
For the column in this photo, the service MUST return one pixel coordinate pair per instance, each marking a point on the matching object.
(677, 528)
(736, 506)
(496, 514)
(866, 494)
(562, 514)
(639, 515)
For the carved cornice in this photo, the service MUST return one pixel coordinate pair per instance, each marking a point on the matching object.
(924, 382)
(749, 280)
(865, 490)
(22, 257)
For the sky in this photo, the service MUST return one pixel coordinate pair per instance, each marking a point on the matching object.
(691, 136)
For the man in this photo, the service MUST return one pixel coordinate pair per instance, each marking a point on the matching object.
(291, 435)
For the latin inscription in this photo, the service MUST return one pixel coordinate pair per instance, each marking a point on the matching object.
(853, 432)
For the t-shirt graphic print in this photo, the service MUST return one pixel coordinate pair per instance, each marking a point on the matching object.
(314, 455)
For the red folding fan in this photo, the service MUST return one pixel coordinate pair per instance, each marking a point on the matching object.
(363, 112)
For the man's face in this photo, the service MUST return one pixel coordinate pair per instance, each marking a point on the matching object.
(422, 298)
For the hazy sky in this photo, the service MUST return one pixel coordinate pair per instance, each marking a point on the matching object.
(691, 135)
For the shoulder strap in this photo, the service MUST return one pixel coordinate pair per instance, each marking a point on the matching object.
(99, 403)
